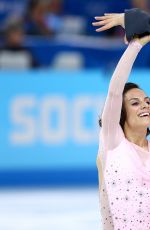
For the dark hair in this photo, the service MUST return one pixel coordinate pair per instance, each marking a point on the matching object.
(32, 4)
(128, 86)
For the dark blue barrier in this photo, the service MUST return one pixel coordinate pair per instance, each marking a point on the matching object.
(46, 178)
(96, 52)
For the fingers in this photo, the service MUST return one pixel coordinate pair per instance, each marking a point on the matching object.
(103, 17)
(125, 40)
(101, 23)
(143, 40)
(106, 21)
(105, 27)
(111, 14)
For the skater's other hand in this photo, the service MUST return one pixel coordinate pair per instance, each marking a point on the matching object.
(144, 40)
(108, 21)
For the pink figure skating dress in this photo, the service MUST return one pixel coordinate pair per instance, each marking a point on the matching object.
(124, 167)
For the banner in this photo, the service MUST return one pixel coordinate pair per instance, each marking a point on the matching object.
(49, 120)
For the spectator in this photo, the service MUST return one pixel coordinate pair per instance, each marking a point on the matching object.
(35, 18)
(13, 55)
(54, 19)
(144, 4)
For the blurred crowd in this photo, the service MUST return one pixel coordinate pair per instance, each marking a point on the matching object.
(144, 4)
(48, 18)
(40, 17)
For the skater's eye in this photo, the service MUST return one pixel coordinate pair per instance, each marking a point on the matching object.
(148, 102)
(135, 103)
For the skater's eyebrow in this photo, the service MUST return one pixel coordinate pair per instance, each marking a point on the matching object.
(136, 98)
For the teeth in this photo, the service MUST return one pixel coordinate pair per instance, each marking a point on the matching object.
(144, 114)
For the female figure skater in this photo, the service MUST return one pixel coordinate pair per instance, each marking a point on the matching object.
(124, 155)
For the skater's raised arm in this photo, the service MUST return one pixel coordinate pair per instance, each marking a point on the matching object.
(111, 130)
(112, 134)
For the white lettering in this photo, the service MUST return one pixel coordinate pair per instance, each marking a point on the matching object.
(82, 133)
(57, 121)
(25, 125)
(54, 106)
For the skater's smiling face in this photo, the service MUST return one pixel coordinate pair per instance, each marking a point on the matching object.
(137, 108)
(135, 111)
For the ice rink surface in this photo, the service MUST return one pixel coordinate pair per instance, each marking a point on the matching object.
(50, 209)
